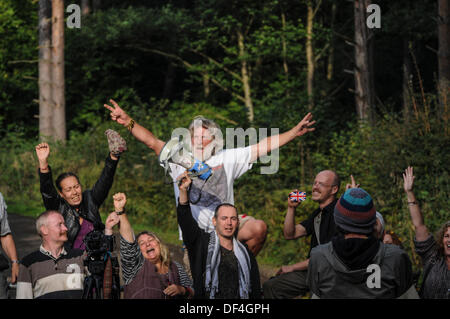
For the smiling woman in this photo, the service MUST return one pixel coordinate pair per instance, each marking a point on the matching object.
(434, 252)
(147, 269)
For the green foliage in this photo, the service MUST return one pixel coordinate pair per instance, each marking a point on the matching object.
(18, 66)
(151, 57)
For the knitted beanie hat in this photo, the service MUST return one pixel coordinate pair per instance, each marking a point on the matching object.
(355, 212)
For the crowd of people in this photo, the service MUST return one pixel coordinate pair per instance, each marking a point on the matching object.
(352, 254)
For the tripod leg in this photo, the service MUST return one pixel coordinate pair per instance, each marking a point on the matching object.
(87, 287)
(98, 287)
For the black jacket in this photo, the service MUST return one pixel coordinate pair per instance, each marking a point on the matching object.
(327, 225)
(196, 241)
(91, 200)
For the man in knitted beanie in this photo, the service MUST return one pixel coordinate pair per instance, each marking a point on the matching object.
(355, 264)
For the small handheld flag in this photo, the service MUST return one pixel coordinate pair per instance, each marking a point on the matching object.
(297, 196)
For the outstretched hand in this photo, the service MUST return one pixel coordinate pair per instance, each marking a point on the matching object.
(111, 221)
(408, 179)
(304, 126)
(117, 114)
(119, 200)
(353, 183)
(42, 152)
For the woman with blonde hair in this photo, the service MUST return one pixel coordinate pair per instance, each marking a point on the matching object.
(147, 270)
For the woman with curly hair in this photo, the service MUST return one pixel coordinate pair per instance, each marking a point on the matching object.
(435, 252)
(148, 272)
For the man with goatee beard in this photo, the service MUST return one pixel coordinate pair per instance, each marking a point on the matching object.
(290, 280)
(52, 272)
(222, 267)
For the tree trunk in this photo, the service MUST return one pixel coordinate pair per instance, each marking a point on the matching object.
(310, 55)
(444, 50)
(45, 80)
(206, 87)
(284, 46)
(59, 115)
(330, 64)
(169, 80)
(245, 77)
(96, 4)
(85, 7)
(406, 85)
(364, 96)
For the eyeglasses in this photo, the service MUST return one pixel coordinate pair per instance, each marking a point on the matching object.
(322, 184)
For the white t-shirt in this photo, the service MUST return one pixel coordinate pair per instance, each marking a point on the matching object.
(227, 165)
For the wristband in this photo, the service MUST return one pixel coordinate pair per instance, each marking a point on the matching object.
(122, 212)
(130, 125)
(412, 203)
(14, 261)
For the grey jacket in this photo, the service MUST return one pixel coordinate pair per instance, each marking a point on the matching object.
(329, 277)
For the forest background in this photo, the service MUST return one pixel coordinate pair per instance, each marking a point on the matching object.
(260, 64)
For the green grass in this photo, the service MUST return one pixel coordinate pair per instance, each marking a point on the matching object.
(24, 208)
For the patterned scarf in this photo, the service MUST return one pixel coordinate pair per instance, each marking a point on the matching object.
(213, 262)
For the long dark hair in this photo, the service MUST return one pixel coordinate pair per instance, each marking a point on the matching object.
(440, 236)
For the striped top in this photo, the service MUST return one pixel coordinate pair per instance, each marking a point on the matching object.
(43, 276)
(132, 261)
(436, 281)
(4, 226)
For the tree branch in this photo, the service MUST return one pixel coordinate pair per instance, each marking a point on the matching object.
(187, 65)
(23, 61)
(220, 65)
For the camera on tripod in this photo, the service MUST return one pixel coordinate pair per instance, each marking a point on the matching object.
(97, 246)
(103, 282)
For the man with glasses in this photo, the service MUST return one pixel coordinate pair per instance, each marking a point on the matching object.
(79, 208)
(290, 280)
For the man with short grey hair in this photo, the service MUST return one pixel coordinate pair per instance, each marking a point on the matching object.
(52, 272)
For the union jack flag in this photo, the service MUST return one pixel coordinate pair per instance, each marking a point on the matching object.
(297, 196)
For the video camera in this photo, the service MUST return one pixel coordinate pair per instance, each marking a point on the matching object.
(98, 249)
(97, 246)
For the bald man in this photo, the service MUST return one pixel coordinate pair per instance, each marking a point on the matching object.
(290, 280)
